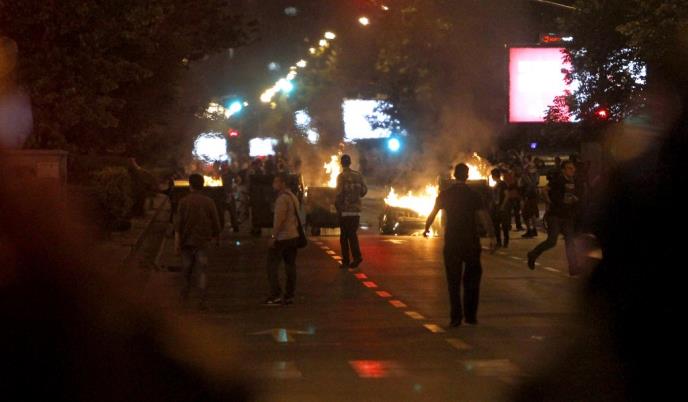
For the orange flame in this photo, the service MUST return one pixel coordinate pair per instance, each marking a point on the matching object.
(333, 169)
(421, 202)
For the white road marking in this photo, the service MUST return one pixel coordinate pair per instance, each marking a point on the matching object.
(459, 344)
(415, 315)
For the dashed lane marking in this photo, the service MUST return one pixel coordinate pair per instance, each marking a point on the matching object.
(459, 344)
(330, 252)
(384, 294)
(336, 258)
(516, 258)
(434, 328)
(415, 315)
(361, 276)
(378, 368)
(552, 269)
(397, 303)
(369, 284)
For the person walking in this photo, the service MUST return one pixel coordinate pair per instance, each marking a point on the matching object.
(530, 199)
(511, 179)
(564, 200)
(464, 209)
(350, 189)
(196, 223)
(498, 209)
(284, 242)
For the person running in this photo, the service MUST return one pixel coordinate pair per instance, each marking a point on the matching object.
(196, 223)
(498, 209)
(284, 242)
(564, 200)
(350, 189)
(463, 208)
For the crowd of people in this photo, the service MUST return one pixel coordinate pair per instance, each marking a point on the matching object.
(198, 219)
(518, 193)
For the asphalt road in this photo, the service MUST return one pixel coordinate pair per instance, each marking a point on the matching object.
(377, 333)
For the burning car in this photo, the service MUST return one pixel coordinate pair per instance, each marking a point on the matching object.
(319, 201)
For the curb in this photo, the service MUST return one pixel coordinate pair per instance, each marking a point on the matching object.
(139, 239)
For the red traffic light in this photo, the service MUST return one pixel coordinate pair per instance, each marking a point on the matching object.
(233, 133)
(602, 113)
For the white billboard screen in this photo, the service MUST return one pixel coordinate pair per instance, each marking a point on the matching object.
(536, 78)
(364, 119)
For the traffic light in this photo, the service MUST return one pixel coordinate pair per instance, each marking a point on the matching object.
(602, 113)
(232, 133)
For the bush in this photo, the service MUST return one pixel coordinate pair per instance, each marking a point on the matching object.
(112, 188)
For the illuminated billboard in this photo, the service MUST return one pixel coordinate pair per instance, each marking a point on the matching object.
(365, 119)
(211, 147)
(259, 147)
(536, 78)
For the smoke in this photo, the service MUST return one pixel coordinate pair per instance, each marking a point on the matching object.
(461, 134)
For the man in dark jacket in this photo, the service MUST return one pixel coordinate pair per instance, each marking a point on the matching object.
(564, 201)
(350, 189)
(464, 209)
(196, 223)
(498, 209)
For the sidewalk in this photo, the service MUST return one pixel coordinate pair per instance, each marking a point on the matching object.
(121, 246)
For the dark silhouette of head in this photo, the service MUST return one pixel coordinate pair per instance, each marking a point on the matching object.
(196, 182)
(346, 160)
(461, 172)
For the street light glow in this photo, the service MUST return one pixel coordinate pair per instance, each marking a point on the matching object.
(330, 35)
(365, 21)
(394, 145)
(323, 43)
(285, 85)
(235, 108)
(302, 63)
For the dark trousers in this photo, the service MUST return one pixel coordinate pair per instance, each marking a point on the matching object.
(194, 261)
(514, 206)
(283, 250)
(555, 227)
(348, 238)
(233, 218)
(501, 222)
(466, 267)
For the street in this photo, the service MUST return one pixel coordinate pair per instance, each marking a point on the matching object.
(379, 332)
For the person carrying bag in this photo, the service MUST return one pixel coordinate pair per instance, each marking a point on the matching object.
(288, 236)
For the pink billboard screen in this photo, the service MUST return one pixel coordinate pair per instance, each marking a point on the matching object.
(536, 78)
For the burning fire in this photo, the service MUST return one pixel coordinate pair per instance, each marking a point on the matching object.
(421, 202)
(479, 169)
(212, 182)
(207, 182)
(333, 169)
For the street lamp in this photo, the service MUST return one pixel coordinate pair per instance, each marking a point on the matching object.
(365, 21)
(394, 145)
